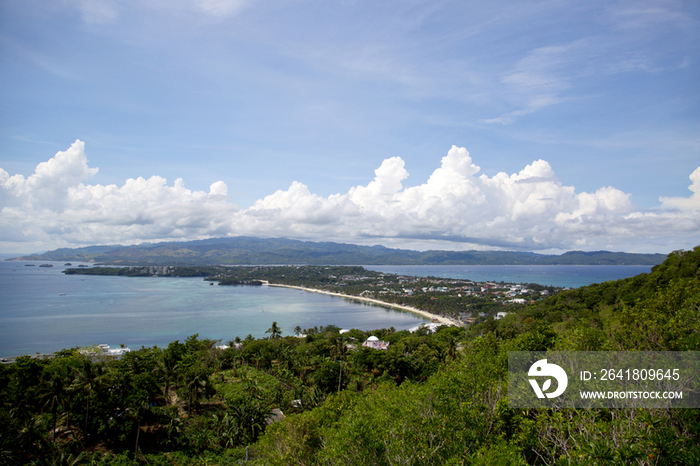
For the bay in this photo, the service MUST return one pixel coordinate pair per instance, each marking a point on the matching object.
(42, 310)
(564, 276)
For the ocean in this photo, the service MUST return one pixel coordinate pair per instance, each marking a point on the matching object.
(564, 276)
(42, 310)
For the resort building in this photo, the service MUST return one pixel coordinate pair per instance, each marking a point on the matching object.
(375, 343)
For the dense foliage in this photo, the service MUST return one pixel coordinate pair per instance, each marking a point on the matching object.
(429, 399)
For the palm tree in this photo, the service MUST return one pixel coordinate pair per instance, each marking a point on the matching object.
(339, 349)
(198, 385)
(138, 413)
(168, 368)
(236, 361)
(285, 355)
(30, 434)
(258, 358)
(274, 331)
(451, 349)
(54, 391)
(88, 378)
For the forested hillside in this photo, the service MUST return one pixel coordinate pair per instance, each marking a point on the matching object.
(244, 250)
(430, 399)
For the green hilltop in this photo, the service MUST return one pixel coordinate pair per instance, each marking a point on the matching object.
(430, 399)
(280, 251)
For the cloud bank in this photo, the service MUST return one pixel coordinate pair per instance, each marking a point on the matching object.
(456, 208)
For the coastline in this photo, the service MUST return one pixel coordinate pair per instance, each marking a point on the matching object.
(443, 320)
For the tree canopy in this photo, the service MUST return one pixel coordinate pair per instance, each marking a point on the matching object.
(431, 398)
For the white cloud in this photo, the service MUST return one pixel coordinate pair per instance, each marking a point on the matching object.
(538, 80)
(685, 203)
(624, 37)
(53, 206)
(529, 209)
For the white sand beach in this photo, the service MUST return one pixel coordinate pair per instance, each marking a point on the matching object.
(444, 320)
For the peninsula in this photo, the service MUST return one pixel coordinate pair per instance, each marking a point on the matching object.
(449, 301)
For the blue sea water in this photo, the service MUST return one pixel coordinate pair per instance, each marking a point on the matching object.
(565, 276)
(43, 310)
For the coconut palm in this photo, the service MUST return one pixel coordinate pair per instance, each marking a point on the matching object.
(168, 369)
(54, 395)
(87, 379)
(138, 413)
(274, 331)
(197, 384)
(339, 349)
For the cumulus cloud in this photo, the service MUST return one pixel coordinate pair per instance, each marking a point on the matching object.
(685, 203)
(530, 209)
(53, 206)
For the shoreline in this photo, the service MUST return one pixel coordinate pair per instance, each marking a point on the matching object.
(426, 314)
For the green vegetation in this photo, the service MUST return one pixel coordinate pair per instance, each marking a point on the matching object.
(280, 251)
(430, 399)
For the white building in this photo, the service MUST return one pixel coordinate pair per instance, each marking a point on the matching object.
(375, 343)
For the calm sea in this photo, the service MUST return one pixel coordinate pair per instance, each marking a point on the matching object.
(43, 310)
(565, 276)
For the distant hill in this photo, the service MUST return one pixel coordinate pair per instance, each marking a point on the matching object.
(245, 250)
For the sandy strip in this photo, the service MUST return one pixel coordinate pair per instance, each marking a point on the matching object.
(444, 320)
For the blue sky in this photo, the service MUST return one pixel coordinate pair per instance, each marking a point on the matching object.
(575, 125)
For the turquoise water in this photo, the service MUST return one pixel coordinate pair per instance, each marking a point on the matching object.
(565, 276)
(43, 310)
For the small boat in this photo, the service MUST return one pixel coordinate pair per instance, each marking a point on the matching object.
(46, 265)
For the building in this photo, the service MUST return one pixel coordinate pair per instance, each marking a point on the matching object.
(375, 343)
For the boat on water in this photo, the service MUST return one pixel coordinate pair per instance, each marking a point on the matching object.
(46, 265)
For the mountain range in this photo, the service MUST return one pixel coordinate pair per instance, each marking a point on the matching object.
(245, 250)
